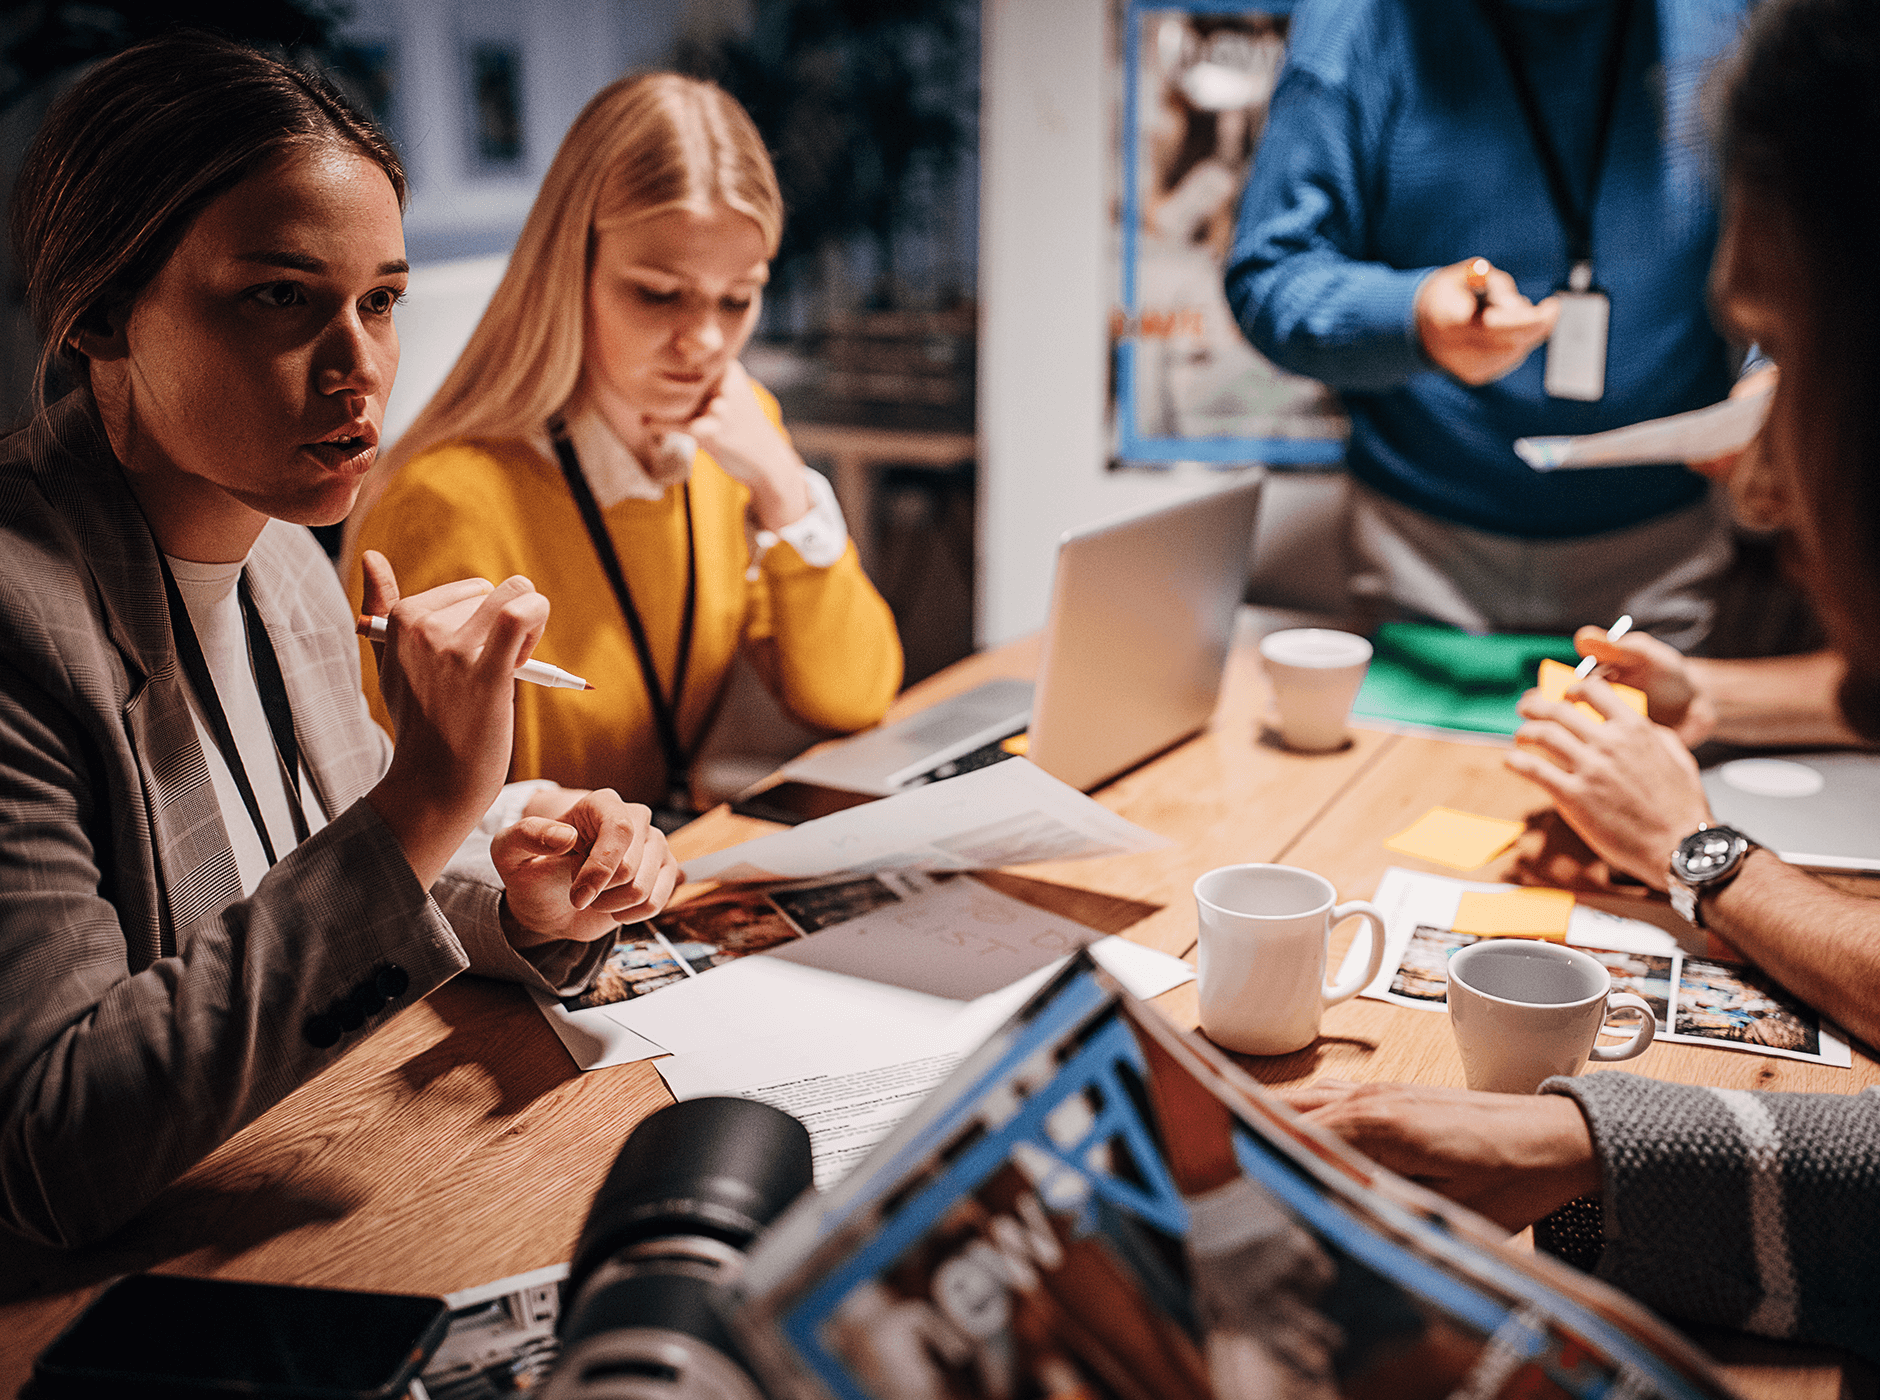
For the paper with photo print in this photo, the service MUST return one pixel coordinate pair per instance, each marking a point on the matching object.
(1729, 1005)
(877, 954)
(1012, 813)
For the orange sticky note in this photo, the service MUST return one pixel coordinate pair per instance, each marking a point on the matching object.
(1515, 914)
(1556, 676)
(1459, 839)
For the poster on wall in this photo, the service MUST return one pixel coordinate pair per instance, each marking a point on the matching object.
(1186, 386)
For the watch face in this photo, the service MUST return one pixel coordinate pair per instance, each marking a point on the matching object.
(1706, 854)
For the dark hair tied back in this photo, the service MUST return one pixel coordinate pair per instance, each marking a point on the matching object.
(137, 149)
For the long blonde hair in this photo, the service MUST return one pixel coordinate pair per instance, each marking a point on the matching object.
(641, 146)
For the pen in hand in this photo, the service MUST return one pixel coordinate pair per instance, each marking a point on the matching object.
(1477, 281)
(1613, 633)
(538, 672)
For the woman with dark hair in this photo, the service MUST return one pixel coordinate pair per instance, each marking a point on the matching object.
(215, 873)
(1758, 1211)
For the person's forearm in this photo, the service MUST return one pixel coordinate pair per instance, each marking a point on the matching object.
(1821, 944)
(428, 819)
(1777, 700)
(1300, 276)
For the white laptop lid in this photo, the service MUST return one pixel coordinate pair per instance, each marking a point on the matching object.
(1142, 612)
(881, 761)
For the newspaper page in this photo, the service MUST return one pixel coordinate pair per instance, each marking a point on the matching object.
(501, 1339)
(1011, 813)
(1096, 1205)
(1697, 1001)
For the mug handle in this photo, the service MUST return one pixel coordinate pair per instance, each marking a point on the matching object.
(1642, 1037)
(1349, 988)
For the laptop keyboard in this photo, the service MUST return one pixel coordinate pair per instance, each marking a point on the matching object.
(982, 757)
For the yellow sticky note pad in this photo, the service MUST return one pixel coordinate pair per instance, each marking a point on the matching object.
(1515, 914)
(1459, 839)
(1556, 676)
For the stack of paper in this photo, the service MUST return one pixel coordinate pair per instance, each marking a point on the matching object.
(886, 956)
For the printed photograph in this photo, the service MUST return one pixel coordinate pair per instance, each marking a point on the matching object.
(814, 907)
(1724, 1001)
(729, 924)
(1644, 974)
(1424, 972)
(634, 968)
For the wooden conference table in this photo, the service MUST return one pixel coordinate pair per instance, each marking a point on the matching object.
(460, 1145)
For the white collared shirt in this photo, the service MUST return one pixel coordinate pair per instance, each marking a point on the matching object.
(614, 474)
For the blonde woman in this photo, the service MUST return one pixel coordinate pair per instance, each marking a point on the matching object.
(599, 437)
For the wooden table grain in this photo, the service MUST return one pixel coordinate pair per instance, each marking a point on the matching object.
(460, 1144)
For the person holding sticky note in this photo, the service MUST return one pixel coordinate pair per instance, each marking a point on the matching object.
(1746, 1209)
(1765, 702)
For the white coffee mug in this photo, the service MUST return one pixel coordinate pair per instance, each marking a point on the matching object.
(1523, 1010)
(1315, 674)
(1265, 931)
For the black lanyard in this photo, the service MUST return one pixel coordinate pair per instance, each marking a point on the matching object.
(678, 808)
(1576, 215)
(273, 691)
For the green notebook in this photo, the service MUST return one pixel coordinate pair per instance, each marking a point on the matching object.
(1439, 678)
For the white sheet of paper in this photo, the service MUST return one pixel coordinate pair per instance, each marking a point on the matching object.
(850, 1089)
(592, 1038)
(1696, 436)
(1011, 813)
(849, 1093)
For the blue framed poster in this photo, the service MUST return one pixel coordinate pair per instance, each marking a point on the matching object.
(1197, 76)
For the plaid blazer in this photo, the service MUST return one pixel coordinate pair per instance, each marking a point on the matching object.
(147, 1010)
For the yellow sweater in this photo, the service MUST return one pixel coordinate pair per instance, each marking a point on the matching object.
(822, 639)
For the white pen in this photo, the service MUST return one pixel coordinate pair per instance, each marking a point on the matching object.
(538, 672)
(1613, 633)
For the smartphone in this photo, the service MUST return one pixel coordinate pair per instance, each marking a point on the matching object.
(793, 802)
(168, 1337)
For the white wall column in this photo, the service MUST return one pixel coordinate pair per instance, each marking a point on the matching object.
(1046, 284)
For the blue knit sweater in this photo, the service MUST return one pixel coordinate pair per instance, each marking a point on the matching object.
(1395, 146)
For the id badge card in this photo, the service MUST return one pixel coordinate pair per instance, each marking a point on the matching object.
(1576, 351)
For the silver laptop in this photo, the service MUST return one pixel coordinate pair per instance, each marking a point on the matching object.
(1142, 611)
(1817, 810)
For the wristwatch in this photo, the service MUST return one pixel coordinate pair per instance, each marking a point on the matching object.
(1705, 861)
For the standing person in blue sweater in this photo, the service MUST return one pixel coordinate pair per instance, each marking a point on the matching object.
(1399, 151)
(1754, 1210)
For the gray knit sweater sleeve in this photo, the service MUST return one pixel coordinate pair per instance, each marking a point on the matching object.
(1746, 1210)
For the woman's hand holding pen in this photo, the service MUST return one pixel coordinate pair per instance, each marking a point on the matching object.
(741, 438)
(447, 672)
(1628, 786)
(598, 862)
(1476, 325)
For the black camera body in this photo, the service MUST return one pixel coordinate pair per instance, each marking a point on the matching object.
(666, 1236)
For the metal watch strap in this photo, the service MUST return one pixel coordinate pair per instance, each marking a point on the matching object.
(1687, 894)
